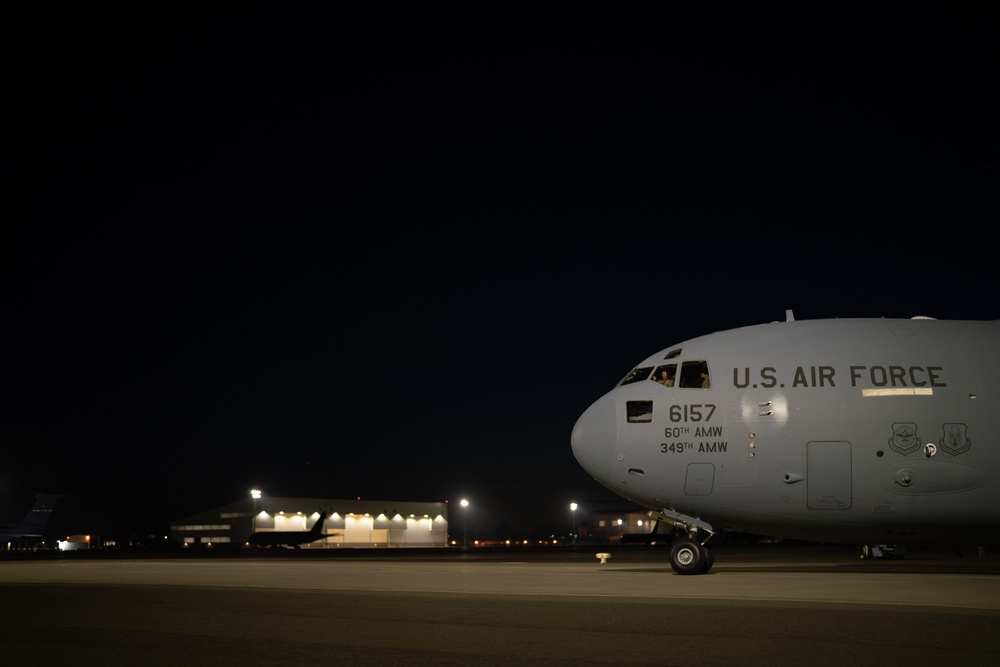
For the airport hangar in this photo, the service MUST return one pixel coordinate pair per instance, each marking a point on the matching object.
(350, 523)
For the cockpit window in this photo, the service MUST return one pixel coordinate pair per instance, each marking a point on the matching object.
(638, 411)
(694, 374)
(673, 354)
(637, 375)
(665, 375)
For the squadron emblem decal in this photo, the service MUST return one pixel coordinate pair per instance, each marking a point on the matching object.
(954, 440)
(904, 438)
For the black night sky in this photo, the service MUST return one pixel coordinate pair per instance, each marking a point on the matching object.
(339, 253)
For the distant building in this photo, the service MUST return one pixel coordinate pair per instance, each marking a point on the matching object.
(350, 523)
(611, 526)
(74, 543)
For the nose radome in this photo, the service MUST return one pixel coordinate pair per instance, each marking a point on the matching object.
(595, 437)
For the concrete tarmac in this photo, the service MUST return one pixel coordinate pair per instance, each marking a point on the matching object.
(760, 604)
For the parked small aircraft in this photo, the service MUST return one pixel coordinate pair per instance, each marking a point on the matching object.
(290, 538)
(851, 431)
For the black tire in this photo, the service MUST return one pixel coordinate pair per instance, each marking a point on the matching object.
(687, 557)
(709, 559)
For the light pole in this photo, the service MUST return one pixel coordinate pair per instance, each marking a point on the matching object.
(465, 523)
(255, 494)
(572, 509)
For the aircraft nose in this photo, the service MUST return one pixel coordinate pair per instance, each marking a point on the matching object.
(595, 438)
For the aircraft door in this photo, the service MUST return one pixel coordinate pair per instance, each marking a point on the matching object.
(700, 479)
(828, 475)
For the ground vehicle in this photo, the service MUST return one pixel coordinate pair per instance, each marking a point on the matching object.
(885, 551)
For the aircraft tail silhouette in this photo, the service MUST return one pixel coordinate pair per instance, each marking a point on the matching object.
(318, 526)
(42, 510)
(34, 522)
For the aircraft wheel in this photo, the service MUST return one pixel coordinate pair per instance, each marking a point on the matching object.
(709, 559)
(687, 557)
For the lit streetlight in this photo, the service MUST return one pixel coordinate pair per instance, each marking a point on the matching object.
(572, 509)
(465, 523)
(255, 494)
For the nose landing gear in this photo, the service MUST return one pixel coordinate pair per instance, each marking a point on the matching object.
(688, 555)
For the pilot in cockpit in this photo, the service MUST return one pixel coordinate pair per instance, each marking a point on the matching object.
(665, 375)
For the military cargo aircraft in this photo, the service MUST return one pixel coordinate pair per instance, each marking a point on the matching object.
(34, 522)
(290, 538)
(850, 431)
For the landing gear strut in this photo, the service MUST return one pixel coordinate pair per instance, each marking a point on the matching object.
(688, 555)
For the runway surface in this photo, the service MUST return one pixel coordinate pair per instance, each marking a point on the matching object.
(761, 604)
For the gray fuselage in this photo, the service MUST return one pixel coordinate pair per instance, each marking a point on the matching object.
(845, 430)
